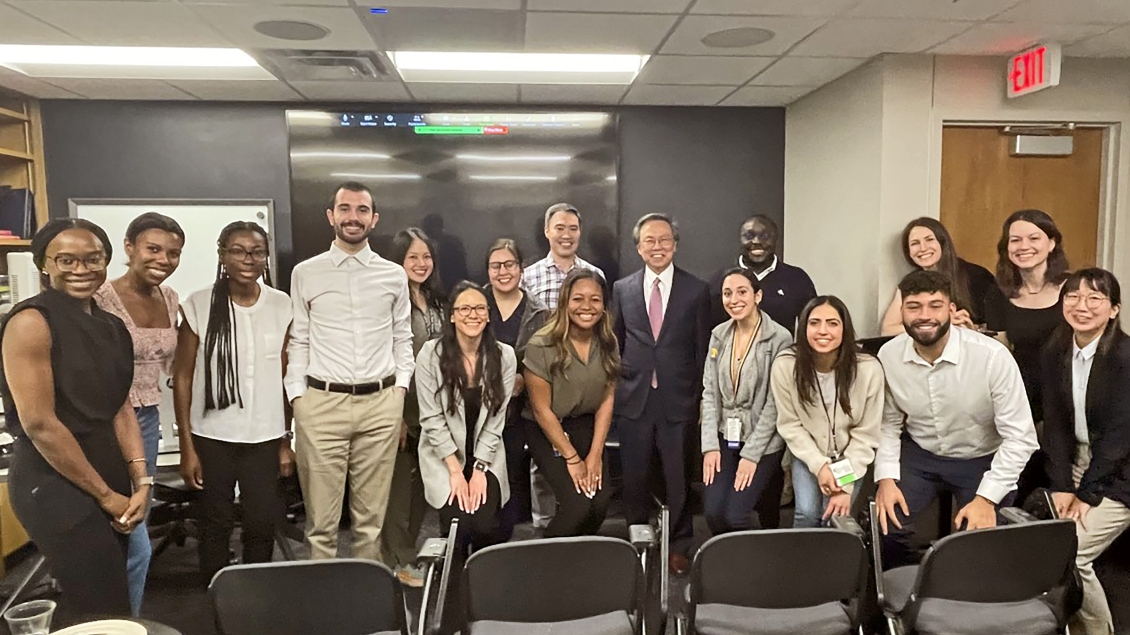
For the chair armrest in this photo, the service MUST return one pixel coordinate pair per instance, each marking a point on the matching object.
(434, 550)
(1016, 516)
(642, 537)
(876, 553)
(848, 524)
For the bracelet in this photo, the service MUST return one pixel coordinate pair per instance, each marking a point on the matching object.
(138, 460)
(569, 458)
(579, 460)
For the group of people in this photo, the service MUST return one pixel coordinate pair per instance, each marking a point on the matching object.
(423, 399)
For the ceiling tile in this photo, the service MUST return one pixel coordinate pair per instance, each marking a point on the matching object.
(1108, 12)
(445, 4)
(968, 10)
(236, 22)
(687, 38)
(238, 90)
(352, 91)
(33, 87)
(596, 33)
(1114, 43)
(773, 7)
(868, 37)
(440, 92)
(610, 6)
(431, 29)
(571, 94)
(117, 23)
(123, 89)
(806, 71)
(1002, 38)
(702, 69)
(323, 3)
(646, 95)
(20, 28)
(767, 95)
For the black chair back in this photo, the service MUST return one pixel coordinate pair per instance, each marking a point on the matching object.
(552, 580)
(1001, 564)
(779, 569)
(343, 597)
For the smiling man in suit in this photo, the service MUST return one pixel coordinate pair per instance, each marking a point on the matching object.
(662, 321)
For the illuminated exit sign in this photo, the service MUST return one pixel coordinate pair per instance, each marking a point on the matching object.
(1034, 69)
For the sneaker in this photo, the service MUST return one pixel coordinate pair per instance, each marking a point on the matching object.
(410, 576)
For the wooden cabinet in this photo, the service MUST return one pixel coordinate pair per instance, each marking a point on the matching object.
(21, 157)
(12, 534)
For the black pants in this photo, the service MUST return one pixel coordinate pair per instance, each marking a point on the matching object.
(79, 546)
(642, 438)
(923, 477)
(577, 514)
(727, 510)
(477, 530)
(518, 508)
(406, 507)
(255, 466)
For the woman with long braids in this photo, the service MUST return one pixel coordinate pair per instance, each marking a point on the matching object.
(228, 394)
(413, 250)
(149, 309)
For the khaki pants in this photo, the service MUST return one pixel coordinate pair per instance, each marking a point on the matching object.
(339, 434)
(1104, 524)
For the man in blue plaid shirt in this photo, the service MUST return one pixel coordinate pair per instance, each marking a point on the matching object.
(543, 278)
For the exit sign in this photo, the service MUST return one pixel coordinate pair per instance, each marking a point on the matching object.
(1034, 69)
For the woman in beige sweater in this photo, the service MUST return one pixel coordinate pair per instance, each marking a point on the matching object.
(829, 404)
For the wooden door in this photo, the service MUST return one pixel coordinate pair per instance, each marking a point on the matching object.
(982, 185)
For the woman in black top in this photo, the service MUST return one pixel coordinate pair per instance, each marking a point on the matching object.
(1086, 372)
(78, 443)
(1024, 307)
(515, 316)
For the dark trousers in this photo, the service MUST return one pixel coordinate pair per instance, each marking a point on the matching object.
(923, 477)
(727, 510)
(641, 439)
(74, 535)
(255, 466)
(577, 514)
(476, 531)
(518, 508)
(406, 508)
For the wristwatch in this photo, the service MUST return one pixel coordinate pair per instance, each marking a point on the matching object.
(144, 480)
(482, 466)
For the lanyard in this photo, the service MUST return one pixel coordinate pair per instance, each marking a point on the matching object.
(831, 417)
(736, 378)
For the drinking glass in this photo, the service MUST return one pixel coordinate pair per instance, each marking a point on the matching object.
(30, 618)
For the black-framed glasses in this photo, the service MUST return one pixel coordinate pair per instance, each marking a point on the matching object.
(763, 236)
(467, 309)
(69, 262)
(1091, 300)
(256, 255)
(509, 265)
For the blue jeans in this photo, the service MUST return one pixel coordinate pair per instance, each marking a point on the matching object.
(727, 510)
(810, 501)
(140, 549)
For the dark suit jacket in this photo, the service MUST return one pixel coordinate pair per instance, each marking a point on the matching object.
(1108, 421)
(677, 357)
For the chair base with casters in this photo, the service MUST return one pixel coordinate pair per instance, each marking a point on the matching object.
(172, 519)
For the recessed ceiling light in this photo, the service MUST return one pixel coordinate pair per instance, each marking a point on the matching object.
(292, 30)
(517, 68)
(130, 62)
(511, 177)
(533, 158)
(737, 38)
(385, 177)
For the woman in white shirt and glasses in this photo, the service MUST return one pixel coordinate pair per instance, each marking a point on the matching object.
(829, 406)
(228, 395)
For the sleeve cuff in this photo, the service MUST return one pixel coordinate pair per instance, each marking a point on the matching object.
(446, 448)
(892, 471)
(992, 491)
(1091, 498)
(710, 444)
(294, 390)
(403, 379)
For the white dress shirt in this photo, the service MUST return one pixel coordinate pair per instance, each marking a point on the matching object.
(1081, 361)
(968, 404)
(259, 332)
(664, 277)
(352, 321)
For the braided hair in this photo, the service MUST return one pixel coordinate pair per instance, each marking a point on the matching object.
(220, 340)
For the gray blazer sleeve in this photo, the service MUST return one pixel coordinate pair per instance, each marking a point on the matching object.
(765, 427)
(491, 435)
(433, 418)
(711, 397)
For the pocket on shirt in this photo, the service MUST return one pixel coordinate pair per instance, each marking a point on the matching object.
(273, 343)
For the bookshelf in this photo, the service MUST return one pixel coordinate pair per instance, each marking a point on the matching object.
(21, 160)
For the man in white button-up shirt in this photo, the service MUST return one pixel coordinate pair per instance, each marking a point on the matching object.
(350, 361)
(956, 419)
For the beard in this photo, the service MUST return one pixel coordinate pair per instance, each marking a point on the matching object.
(339, 231)
(923, 339)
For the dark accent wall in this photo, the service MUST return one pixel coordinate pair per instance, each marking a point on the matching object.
(710, 168)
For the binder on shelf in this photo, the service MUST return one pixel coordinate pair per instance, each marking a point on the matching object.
(17, 211)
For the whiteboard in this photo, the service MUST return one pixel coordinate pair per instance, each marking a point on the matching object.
(201, 221)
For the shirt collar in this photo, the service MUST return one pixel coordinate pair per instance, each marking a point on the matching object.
(1087, 352)
(339, 255)
(550, 264)
(664, 276)
(951, 353)
(760, 276)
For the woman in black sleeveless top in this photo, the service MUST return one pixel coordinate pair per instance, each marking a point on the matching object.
(65, 376)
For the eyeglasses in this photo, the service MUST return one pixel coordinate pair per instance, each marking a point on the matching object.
(69, 263)
(762, 236)
(664, 242)
(1092, 301)
(467, 309)
(239, 253)
(509, 265)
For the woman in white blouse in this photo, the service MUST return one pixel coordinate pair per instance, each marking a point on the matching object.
(228, 393)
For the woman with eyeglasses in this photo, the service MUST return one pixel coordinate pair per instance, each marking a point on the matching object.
(515, 316)
(232, 416)
(77, 478)
(1086, 372)
(416, 252)
(153, 247)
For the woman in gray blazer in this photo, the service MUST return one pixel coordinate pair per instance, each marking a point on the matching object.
(463, 383)
(741, 450)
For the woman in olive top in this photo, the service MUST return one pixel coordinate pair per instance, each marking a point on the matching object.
(571, 366)
(515, 316)
(406, 505)
(741, 450)
(829, 406)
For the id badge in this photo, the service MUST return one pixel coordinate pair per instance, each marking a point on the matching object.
(733, 432)
(843, 472)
